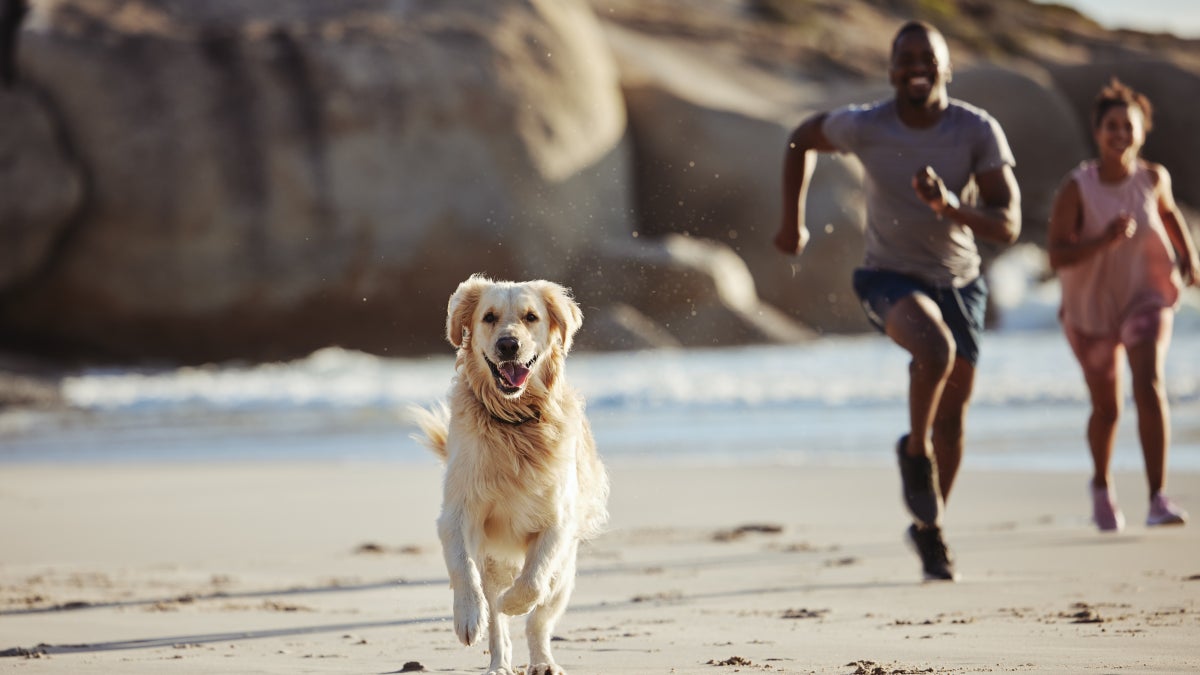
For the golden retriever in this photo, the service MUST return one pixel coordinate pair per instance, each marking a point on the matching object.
(524, 485)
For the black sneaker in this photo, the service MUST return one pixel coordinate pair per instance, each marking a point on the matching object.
(935, 557)
(921, 494)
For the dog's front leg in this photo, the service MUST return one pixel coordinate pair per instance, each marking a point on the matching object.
(470, 617)
(542, 562)
(497, 576)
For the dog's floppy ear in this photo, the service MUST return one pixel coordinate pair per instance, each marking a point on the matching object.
(462, 306)
(565, 315)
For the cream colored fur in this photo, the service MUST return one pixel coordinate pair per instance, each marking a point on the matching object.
(524, 485)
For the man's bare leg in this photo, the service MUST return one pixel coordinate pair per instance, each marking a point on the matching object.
(915, 323)
(949, 423)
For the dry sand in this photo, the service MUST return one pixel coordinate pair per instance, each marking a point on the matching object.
(295, 568)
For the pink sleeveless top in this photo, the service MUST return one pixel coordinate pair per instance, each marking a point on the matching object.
(1129, 277)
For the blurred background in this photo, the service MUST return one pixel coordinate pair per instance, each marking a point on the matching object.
(213, 209)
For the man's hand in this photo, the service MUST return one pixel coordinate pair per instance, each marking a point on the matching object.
(791, 239)
(931, 190)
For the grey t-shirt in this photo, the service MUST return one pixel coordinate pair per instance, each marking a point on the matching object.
(903, 234)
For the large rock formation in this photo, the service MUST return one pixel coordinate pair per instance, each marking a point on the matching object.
(211, 180)
(41, 184)
(1043, 131)
(268, 179)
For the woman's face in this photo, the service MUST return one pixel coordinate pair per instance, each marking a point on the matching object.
(1121, 133)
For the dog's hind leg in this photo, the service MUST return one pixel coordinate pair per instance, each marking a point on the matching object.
(498, 576)
(539, 628)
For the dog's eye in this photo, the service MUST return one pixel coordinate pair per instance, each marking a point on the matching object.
(489, 318)
(531, 317)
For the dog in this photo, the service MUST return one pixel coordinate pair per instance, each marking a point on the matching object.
(524, 485)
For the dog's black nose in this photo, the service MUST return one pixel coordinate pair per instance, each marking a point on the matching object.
(507, 347)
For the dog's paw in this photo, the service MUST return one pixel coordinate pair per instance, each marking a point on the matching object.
(470, 619)
(519, 599)
(546, 669)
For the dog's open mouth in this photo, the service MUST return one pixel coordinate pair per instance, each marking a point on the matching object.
(511, 376)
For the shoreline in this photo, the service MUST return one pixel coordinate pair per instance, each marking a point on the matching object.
(1006, 437)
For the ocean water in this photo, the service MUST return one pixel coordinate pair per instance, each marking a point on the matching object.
(837, 401)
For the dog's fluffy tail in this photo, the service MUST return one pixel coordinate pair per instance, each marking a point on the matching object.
(434, 425)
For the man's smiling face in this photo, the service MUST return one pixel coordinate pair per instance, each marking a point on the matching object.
(920, 67)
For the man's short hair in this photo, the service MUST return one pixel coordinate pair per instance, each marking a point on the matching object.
(913, 26)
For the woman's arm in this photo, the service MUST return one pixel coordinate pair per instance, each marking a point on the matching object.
(1176, 227)
(1066, 222)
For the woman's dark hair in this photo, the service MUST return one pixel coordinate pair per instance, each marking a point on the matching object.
(1117, 93)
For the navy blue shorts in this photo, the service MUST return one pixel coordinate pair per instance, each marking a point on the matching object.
(963, 308)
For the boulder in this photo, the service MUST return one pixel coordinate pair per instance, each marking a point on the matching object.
(270, 178)
(41, 187)
(709, 136)
(682, 291)
(1043, 131)
(617, 326)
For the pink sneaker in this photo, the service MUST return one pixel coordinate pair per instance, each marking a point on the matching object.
(1105, 512)
(1164, 512)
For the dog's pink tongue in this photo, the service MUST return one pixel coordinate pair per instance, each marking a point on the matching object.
(514, 373)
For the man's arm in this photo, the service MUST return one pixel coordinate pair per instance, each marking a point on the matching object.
(798, 164)
(998, 218)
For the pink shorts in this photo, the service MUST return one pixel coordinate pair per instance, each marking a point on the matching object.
(1099, 352)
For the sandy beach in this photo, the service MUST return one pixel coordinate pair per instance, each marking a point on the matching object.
(335, 567)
